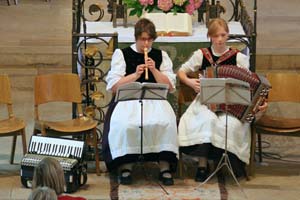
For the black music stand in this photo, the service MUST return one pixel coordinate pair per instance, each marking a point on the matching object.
(224, 91)
(142, 91)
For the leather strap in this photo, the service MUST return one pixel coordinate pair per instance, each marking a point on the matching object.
(228, 54)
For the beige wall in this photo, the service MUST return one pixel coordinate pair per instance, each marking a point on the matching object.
(37, 34)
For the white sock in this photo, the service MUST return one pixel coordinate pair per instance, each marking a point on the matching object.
(126, 166)
(163, 166)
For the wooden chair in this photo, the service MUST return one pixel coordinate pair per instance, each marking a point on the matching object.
(63, 88)
(281, 120)
(185, 94)
(11, 126)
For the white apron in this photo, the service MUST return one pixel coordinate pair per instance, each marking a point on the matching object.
(159, 128)
(200, 125)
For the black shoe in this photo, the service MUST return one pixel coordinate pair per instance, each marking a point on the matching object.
(166, 180)
(126, 180)
(201, 174)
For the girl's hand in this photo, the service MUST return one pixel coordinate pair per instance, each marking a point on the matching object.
(195, 84)
(150, 63)
(263, 107)
(140, 69)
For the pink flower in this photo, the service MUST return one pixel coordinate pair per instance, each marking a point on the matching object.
(165, 5)
(197, 3)
(150, 2)
(146, 2)
(192, 6)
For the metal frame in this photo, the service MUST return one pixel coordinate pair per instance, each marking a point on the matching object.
(80, 43)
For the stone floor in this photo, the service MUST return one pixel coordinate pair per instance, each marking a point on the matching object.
(274, 179)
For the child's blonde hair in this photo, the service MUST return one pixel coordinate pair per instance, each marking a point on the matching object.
(215, 24)
(49, 173)
(42, 193)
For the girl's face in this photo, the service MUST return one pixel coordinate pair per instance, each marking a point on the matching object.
(143, 41)
(219, 38)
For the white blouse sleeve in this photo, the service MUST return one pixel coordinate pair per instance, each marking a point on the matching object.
(242, 60)
(166, 68)
(194, 63)
(117, 69)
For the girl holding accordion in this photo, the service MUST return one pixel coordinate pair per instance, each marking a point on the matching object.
(201, 132)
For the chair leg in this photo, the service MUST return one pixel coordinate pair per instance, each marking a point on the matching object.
(16, 2)
(259, 147)
(24, 141)
(8, 2)
(43, 130)
(13, 148)
(98, 172)
(180, 165)
(251, 168)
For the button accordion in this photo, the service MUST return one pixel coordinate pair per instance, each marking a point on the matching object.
(68, 152)
(259, 88)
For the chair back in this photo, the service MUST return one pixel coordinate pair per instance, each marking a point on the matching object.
(57, 87)
(185, 95)
(5, 96)
(285, 87)
(10, 126)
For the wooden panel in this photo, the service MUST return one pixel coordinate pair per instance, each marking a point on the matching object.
(285, 87)
(5, 96)
(57, 87)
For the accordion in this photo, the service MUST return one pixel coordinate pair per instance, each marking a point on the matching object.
(68, 152)
(259, 88)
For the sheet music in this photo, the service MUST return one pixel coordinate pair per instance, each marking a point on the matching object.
(213, 90)
(136, 90)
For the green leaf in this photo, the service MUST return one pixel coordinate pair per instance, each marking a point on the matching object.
(149, 8)
(133, 12)
(139, 13)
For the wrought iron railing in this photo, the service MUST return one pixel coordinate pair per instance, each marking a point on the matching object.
(91, 55)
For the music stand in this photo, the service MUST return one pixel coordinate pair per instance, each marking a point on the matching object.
(142, 91)
(224, 91)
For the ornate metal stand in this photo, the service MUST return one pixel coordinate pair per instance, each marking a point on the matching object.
(89, 51)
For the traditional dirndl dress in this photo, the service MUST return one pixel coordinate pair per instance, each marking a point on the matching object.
(122, 132)
(199, 125)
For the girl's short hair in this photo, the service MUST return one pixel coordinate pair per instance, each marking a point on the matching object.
(215, 24)
(42, 193)
(145, 25)
(49, 173)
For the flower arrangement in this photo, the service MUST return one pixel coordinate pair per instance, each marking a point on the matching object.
(176, 6)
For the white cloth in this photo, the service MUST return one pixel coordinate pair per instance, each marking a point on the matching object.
(126, 35)
(200, 125)
(159, 120)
